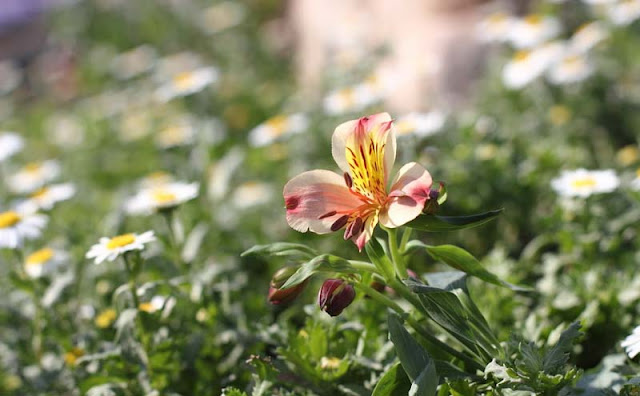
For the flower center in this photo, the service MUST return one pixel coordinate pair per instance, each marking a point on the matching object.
(39, 257)
(276, 125)
(365, 156)
(163, 197)
(183, 80)
(41, 193)
(32, 167)
(146, 307)
(121, 241)
(586, 182)
(497, 18)
(534, 20)
(521, 56)
(8, 219)
(329, 363)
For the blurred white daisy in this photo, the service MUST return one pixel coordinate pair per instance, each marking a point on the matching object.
(66, 131)
(10, 77)
(110, 248)
(351, 99)
(587, 36)
(495, 27)
(133, 63)
(10, 144)
(635, 183)
(33, 176)
(533, 30)
(46, 197)
(624, 12)
(135, 123)
(221, 16)
(583, 183)
(166, 196)
(187, 83)
(221, 173)
(251, 194)
(527, 65)
(631, 344)
(181, 132)
(44, 261)
(570, 69)
(155, 179)
(277, 127)
(158, 303)
(420, 124)
(15, 227)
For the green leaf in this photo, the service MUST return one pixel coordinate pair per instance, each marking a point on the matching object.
(462, 260)
(393, 382)
(414, 359)
(435, 223)
(558, 355)
(281, 249)
(427, 382)
(323, 263)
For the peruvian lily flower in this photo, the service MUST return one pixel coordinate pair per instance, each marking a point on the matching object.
(365, 149)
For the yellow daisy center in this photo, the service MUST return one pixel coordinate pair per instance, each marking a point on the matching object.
(521, 56)
(32, 167)
(184, 80)
(329, 363)
(146, 307)
(105, 318)
(39, 257)
(121, 241)
(73, 355)
(627, 155)
(276, 125)
(8, 219)
(41, 193)
(585, 182)
(534, 19)
(497, 18)
(559, 115)
(163, 196)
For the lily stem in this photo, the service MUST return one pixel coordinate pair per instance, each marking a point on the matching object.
(398, 260)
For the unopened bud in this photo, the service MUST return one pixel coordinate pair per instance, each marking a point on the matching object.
(279, 296)
(335, 295)
(432, 205)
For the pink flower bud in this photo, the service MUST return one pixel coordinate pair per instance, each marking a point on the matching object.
(335, 295)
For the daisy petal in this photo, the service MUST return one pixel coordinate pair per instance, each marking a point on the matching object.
(315, 199)
(408, 195)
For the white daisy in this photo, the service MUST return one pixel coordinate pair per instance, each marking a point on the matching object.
(167, 196)
(16, 227)
(10, 77)
(158, 303)
(352, 99)
(420, 124)
(251, 194)
(155, 179)
(631, 344)
(570, 69)
(527, 65)
(187, 83)
(624, 12)
(635, 183)
(583, 183)
(110, 248)
(533, 30)
(587, 36)
(133, 63)
(33, 176)
(44, 261)
(277, 127)
(46, 197)
(10, 144)
(496, 27)
(222, 16)
(181, 132)
(66, 131)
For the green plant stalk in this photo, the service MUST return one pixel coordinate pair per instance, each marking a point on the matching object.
(365, 266)
(381, 298)
(168, 218)
(406, 236)
(132, 281)
(398, 260)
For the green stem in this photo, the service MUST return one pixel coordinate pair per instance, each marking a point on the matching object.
(398, 260)
(365, 266)
(168, 217)
(132, 281)
(406, 235)
(381, 298)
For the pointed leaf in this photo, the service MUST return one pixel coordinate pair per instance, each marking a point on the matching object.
(393, 382)
(412, 355)
(427, 382)
(323, 263)
(281, 249)
(462, 260)
(436, 223)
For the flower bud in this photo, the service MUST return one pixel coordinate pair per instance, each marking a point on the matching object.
(335, 295)
(278, 296)
(432, 205)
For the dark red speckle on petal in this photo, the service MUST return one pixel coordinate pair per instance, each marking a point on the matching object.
(291, 202)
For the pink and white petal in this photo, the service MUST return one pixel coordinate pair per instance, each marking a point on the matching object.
(367, 232)
(383, 125)
(409, 193)
(339, 143)
(315, 194)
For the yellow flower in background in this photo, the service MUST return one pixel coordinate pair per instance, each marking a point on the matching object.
(33, 176)
(276, 128)
(628, 155)
(559, 115)
(44, 261)
(186, 83)
(106, 318)
(72, 356)
(330, 363)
